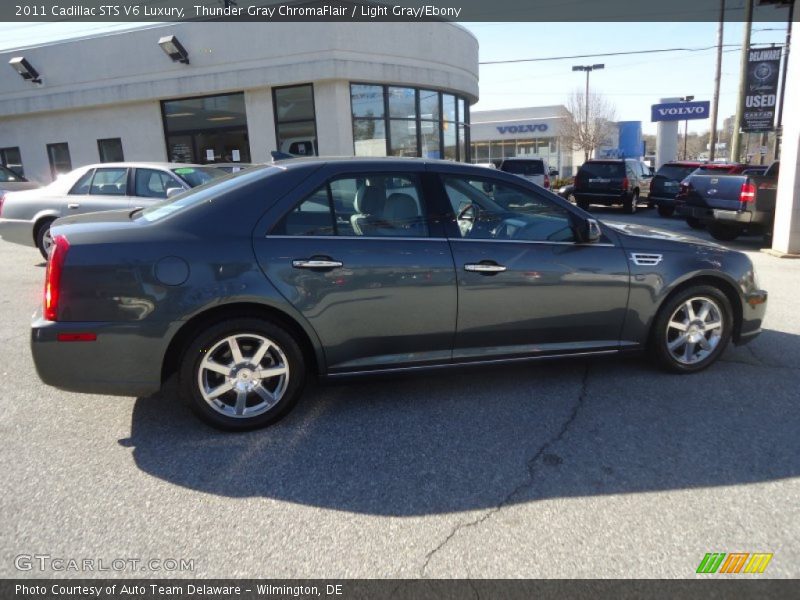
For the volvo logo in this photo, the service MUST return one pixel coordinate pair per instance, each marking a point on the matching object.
(523, 128)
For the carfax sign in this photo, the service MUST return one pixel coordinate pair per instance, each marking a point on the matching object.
(761, 91)
(679, 111)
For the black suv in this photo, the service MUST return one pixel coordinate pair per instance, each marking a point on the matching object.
(612, 181)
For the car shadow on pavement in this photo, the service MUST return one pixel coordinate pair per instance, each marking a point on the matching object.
(483, 437)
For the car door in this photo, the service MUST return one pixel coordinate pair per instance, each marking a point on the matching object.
(104, 188)
(525, 286)
(360, 257)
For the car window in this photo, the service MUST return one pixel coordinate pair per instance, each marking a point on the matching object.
(9, 175)
(369, 205)
(523, 167)
(195, 176)
(83, 184)
(109, 182)
(150, 183)
(492, 209)
(603, 169)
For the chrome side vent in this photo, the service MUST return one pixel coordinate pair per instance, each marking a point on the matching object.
(646, 260)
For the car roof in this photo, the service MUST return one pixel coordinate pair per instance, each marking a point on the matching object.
(143, 164)
(515, 158)
(685, 163)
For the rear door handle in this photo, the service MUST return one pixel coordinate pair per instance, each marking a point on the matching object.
(315, 263)
(488, 268)
(73, 205)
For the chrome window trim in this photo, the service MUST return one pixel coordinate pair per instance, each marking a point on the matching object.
(434, 239)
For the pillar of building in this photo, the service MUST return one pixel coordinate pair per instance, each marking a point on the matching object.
(667, 138)
(786, 235)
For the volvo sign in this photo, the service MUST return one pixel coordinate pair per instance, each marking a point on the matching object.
(523, 128)
(679, 111)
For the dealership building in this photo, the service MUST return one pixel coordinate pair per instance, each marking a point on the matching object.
(220, 92)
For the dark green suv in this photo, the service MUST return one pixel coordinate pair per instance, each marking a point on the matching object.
(622, 181)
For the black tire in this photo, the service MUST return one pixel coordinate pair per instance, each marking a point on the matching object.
(694, 223)
(666, 211)
(210, 343)
(43, 235)
(631, 203)
(661, 336)
(582, 204)
(724, 233)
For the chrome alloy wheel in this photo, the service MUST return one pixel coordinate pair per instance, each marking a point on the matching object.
(47, 241)
(243, 375)
(694, 330)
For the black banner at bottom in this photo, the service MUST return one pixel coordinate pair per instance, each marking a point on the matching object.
(396, 589)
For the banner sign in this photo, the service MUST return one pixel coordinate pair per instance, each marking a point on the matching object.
(761, 89)
(679, 111)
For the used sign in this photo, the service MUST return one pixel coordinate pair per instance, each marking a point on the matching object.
(761, 91)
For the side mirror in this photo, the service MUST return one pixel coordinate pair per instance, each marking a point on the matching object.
(587, 231)
(173, 191)
(553, 172)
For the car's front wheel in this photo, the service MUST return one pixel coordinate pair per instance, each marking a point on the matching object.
(692, 329)
(631, 203)
(242, 374)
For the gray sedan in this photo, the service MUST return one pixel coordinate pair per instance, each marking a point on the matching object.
(332, 268)
(26, 216)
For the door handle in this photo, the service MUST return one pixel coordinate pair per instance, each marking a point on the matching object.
(487, 268)
(316, 263)
(73, 205)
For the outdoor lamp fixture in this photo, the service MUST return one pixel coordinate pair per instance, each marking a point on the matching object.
(25, 69)
(588, 69)
(173, 48)
(686, 126)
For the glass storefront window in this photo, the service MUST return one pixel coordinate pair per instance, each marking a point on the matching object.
(367, 101)
(295, 120)
(403, 136)
(369, 136)
(402, 103)
(206, 129)
(416, 121)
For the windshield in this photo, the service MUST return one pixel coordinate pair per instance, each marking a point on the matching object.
(603, 169)
(200, 194)
(675, 172)
(523, 167)
(195, 176)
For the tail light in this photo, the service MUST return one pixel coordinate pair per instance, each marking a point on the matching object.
(625, 184)
(546, 182)
(2, 199)
(52, 280)
(748, 193)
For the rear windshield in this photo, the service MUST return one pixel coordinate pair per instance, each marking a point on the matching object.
(713, 170)
(523, 167)
(198, 195)
(603, 169)
(195, 176)
(9, 175)
(675, 172)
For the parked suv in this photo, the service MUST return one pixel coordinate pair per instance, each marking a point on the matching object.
(532, 169)
(667, 182)
(612, 181)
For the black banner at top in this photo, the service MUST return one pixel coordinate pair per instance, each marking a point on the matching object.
(761, 91)
(380, 10)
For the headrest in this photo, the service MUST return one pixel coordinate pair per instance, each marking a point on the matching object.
(400, 207)
(369, 200)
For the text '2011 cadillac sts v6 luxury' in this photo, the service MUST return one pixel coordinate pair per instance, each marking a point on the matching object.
(247, 286)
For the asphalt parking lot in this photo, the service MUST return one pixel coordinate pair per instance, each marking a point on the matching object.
(608, 468)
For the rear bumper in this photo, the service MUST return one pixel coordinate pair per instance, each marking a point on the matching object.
(715, 214)
(17, 231)
(667, 201)
(124, 360)
(600, 198)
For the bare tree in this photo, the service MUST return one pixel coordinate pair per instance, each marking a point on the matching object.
(588, 124)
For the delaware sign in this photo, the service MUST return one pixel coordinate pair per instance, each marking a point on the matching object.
(761, 93)
(679, 111)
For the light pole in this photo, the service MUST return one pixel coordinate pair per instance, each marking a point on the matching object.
(686, 126)
(588, 69)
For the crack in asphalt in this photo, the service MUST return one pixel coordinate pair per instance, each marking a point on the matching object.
(525, 485)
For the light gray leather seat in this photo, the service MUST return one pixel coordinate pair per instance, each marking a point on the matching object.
(402, 217)
(368, 204)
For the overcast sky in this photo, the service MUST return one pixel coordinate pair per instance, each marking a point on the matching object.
(632, 83)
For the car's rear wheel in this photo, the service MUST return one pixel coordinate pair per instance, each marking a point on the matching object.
(242, 374)
(631, 203)
(692, 329)
(666, 211)
(44, 240)
(583, 204)
(724, 233)
(695, 223)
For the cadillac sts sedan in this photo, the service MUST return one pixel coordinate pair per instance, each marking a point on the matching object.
(26, 217)
(328, 268)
